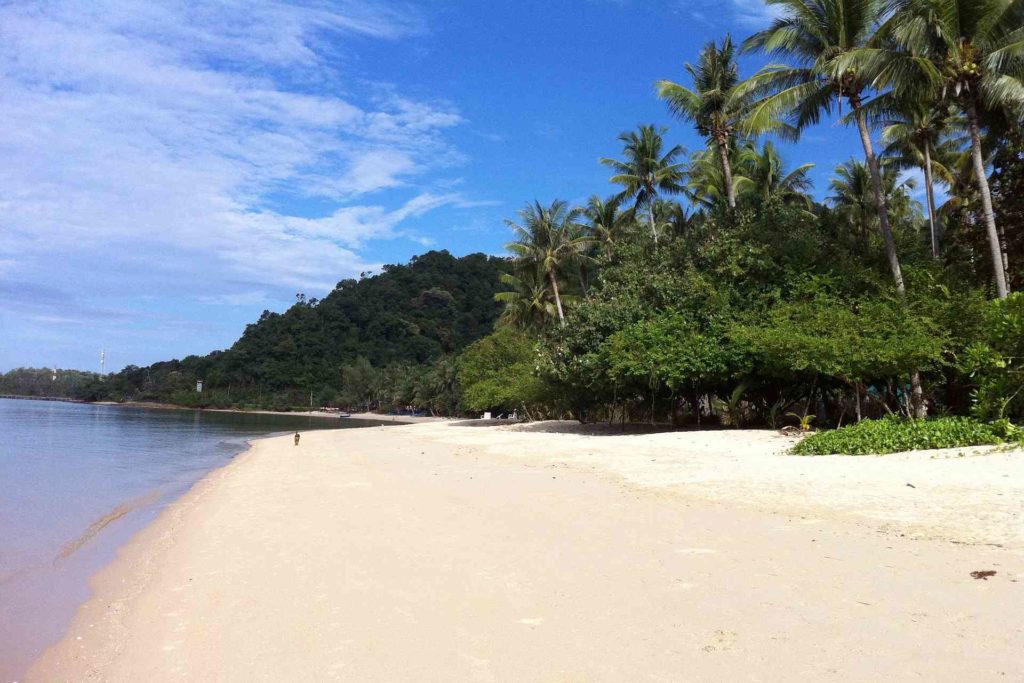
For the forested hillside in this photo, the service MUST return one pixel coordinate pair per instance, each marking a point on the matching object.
(407, 322)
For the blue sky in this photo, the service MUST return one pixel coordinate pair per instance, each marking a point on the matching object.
(168, 170)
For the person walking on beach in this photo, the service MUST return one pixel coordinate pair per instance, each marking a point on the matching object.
(296, 438)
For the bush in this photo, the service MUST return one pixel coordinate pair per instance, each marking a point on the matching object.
(894, 434)
(995, 363)
(498, 372)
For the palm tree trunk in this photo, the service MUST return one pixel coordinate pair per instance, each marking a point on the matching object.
(723, 154)
(917, 393)
(1006, 260)
(930, 193)
(650, 218)
(986, 201)
(558, 298)
(880, 201)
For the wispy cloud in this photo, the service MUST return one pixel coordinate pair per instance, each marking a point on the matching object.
(754, 14)
(167, 145)
(751, 15)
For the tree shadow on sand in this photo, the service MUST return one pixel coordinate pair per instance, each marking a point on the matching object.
(589, 429)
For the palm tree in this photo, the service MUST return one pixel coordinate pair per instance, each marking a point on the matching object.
(647, 171)
(548, 239)
(758, 175)
(607, 222)
(917, 137)
(971, 51)
(705, 181)
(815, 35)
(764, 177)
(528, 302)
(714, 105)
(671, 216)
(853, 195)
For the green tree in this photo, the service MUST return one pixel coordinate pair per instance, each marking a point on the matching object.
(548, 239)
(853, 195)
(917, 137)
(764, 177)
(814, 35)
(647, 171)
(528, 301)
(715, 105)
(498, 372)
(607, 222)
(971, 51)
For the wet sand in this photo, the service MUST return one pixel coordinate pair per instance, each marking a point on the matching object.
(449, 551)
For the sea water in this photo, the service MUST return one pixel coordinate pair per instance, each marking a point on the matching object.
(77, 480)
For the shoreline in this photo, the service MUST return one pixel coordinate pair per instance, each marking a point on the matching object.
(153, 405)
(198, 548)
(96, 544)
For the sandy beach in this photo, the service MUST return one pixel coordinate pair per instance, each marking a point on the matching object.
(465, 551)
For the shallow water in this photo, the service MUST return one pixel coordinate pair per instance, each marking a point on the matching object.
(78, 480)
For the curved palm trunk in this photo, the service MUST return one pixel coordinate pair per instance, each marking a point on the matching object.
(929, 189)
(583, 282)
(917, 393)
(558, 298)
(998, 260)
(650, 219)
(723, 154)
(880, 201)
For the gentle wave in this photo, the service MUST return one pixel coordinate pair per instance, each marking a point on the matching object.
(98, 525)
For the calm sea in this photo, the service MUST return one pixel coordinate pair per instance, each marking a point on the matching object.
(78, 480)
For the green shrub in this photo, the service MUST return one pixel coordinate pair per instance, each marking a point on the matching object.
(996, 363)
(894, 434)
(498, 372)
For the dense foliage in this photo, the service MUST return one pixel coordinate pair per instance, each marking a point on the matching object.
(751, 304)
(499, 374)
(46, 382)
(893, 434)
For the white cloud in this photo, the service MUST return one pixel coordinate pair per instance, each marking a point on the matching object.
(169, 136)
(119, 131)
(752, 15)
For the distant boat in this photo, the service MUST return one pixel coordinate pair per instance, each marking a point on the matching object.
(344, 415)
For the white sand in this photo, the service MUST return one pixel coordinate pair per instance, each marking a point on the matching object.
(452, 552)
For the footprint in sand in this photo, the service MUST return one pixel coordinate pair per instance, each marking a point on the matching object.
(695, 551)
(722, 640)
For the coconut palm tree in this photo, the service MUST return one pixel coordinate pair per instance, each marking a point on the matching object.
(814, 35)
(715, 105)
(671, 216)
(528, 302)
(971, 51)
(764, 177)
(705, 181)
(759, 175)
(647, 171)
(548, 239)
(922, 136)
(853, 195)
(607, 221)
